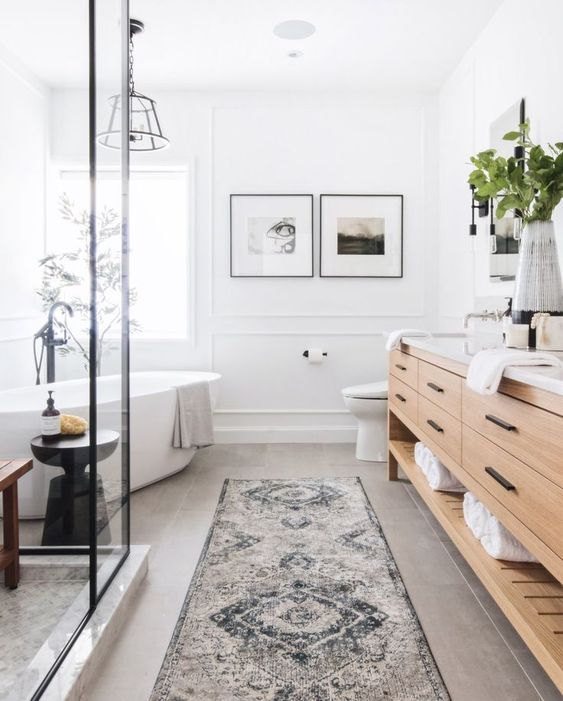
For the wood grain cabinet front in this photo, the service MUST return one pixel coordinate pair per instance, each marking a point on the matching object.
(531, 434)
(440, 387)
(444, 429)
(405, 367)
(403, 397)
(534, 500)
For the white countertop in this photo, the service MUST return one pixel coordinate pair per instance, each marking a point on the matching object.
(462, 347)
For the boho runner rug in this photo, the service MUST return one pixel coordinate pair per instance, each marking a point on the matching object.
(297, 597)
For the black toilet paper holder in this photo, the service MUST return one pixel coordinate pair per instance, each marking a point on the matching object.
(306, 354)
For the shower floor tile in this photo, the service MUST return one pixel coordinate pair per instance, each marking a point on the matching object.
(30, 613)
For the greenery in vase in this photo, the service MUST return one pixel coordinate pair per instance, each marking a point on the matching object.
(66, 278)
(531, 182)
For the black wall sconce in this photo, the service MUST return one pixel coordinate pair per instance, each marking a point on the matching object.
(483, 209)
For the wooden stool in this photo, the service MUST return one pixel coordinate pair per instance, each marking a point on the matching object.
(10, 472)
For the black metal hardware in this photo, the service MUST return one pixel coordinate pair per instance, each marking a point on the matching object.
(435, 426)
(306, 354)
(500, 479)
(401, 367)
(400, 398)
(500, 422)
(436, 388)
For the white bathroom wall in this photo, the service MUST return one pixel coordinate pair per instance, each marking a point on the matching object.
(23, 126)
(254, 331)
(519, 54)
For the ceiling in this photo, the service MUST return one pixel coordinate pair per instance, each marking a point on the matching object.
(396, 45)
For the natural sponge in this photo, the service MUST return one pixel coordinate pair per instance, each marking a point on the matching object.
(73, 425)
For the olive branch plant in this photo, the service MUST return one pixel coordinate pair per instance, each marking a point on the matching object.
(65, 275)
(530, 182)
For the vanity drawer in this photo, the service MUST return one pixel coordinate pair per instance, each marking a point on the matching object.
(442, 427)
(405, 398)
(532, 498)
(532, 435)
(405, 367)
(440, 387)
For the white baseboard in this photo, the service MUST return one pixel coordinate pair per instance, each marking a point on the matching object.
(285, 434)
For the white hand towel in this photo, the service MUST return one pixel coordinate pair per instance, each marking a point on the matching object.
(476, 515)
(502, 545)
(193, 424)
(441, 479)
(394, 338)
(487, 367)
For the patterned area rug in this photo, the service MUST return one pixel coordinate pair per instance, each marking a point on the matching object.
(297, 598)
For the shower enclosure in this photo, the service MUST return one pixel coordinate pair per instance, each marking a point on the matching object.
(74, 543)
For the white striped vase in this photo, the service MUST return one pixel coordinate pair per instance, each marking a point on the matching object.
(538, 280)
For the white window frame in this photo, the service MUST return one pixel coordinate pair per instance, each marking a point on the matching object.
(188, 170)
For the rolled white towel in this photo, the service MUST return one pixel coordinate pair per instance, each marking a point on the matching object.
(487, 367)
(441, 479)
(476, 515)
(426, 460)
(419, 449)
(502, 545)
(394, 338)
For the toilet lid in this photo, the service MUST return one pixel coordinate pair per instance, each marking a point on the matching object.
(373, 390)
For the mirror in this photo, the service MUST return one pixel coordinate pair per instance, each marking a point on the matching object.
(504, 245)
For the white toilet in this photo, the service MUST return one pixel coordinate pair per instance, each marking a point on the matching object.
(368, 403)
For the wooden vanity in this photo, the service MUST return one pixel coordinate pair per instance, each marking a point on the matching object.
(507, 449)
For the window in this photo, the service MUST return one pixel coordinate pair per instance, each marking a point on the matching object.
(158, 243)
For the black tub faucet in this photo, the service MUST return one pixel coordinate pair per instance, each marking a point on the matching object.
(50, 340)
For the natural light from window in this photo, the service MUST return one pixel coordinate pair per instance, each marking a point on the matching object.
(158, 243)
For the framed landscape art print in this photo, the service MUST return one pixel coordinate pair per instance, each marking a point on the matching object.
(361, 236)
(271, 235)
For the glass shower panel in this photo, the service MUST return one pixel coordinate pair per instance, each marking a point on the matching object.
(110, 347)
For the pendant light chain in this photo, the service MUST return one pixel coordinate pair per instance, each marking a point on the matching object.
(131, 79)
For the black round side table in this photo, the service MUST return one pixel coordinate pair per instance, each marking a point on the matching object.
(67, 520)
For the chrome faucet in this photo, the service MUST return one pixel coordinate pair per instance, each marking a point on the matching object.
(484, 315)
(50, 340)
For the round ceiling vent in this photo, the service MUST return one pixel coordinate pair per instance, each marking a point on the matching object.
(294, 29)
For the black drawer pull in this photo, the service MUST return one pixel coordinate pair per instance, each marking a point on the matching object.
(500, 422)
(435, 426)
(500, 479)
(436, 388)
(400, 398)
(401, 367)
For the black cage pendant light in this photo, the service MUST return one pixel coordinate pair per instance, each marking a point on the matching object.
(145, 132)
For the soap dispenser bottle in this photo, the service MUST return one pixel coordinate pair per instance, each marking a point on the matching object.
(50, 422)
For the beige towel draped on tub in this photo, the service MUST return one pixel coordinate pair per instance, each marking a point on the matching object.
(193, 424)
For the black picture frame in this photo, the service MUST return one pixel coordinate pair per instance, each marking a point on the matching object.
(387, 196)
(232, 198)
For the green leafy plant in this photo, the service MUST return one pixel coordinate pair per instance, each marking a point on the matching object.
(530, 182)
(66, 278)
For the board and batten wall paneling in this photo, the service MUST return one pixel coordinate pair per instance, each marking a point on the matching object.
(254, 331)
(23, 124)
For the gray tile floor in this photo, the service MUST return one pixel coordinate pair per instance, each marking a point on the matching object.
(480, 655)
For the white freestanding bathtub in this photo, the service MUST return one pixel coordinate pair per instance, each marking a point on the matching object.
(153, 406)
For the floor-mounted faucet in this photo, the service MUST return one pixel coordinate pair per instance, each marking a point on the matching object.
(50, 341)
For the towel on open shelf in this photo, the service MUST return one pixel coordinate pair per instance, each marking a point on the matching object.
(193, 424)
(475, 514)
(394, 338)
(497, 541)
(438, 476)
(502, 545)
(487, 367)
